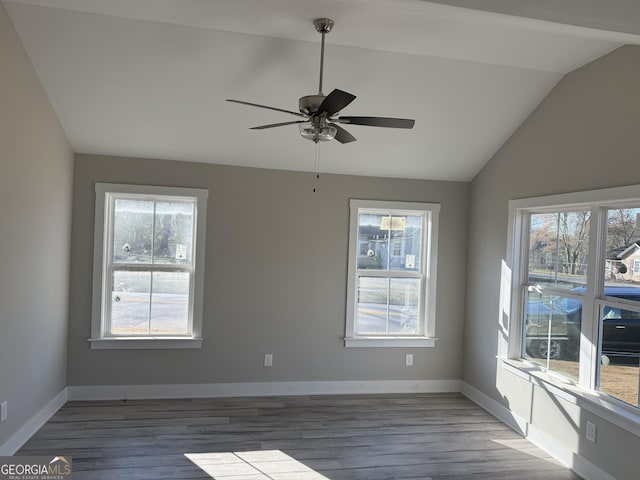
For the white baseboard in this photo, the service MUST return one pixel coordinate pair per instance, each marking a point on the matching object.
(562, 454)
(559, 452)
(499, 411)
(256, 389)
(15, 442)
(588, 470)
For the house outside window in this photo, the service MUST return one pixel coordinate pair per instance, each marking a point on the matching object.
(148, 266)
(392, 271)
(574, 294)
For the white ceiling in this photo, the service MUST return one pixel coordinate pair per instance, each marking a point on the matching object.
(149, 78)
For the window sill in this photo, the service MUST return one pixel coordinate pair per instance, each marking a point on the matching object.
(147, 343)
(390, 342)
(615, 411)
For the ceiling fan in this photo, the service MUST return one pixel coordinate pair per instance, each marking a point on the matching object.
(320, 112)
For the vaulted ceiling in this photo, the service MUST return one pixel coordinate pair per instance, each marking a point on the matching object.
(149, 78)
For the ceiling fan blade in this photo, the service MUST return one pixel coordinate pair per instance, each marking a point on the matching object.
(378, 121)
(261, 127)
(342, 135)
(334, 102)
(264, 106)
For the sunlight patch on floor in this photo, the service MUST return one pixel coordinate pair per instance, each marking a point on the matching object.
(258, 465)
(525, 446)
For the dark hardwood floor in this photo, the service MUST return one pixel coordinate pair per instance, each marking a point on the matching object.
(345, 437)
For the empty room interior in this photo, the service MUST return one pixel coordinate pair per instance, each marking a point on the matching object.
(334, 240)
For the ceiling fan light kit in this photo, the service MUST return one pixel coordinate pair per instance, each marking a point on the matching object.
(318, 133)
(320, 112)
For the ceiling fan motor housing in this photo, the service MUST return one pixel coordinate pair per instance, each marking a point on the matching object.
(309, 104)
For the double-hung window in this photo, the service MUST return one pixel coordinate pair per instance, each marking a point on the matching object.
(148, 266)
(392, 268)
(575, 290)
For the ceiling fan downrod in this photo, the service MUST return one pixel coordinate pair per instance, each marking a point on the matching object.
(323, 26)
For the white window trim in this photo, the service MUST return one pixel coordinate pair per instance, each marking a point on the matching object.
(429, 266)
(98, 339)
(583, 391)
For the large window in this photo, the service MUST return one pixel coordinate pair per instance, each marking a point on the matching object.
(392, 265)
(577, 288)
(148, 265)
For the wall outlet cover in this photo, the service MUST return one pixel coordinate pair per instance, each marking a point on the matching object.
(591, 432)
(268, 360)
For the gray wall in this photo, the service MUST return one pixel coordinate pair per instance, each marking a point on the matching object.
(275, 279)
(583, 136)
(36, 166)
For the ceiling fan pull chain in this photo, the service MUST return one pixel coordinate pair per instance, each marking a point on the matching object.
(316, 166)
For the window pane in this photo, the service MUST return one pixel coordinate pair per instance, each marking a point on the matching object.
(406, 242)
(558, 249)
(404, 308)
(622, 262)
(620, 359)
(371, 305)
(373, 241)
(552, 332)
(130, 302)
(173, 232)
(170, 303)
(132, 231)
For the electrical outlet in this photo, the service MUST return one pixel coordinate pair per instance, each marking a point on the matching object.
(409, 360)
(3, 411)
(268, 359)
(591, 432)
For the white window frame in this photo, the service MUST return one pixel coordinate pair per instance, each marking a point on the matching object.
(427, 274)
(583, 392)
(105, 192)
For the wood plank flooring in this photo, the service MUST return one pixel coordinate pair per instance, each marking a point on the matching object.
(344, 437)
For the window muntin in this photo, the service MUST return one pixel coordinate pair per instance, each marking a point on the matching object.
(391, 270)
(149, 251)
(590, 316)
